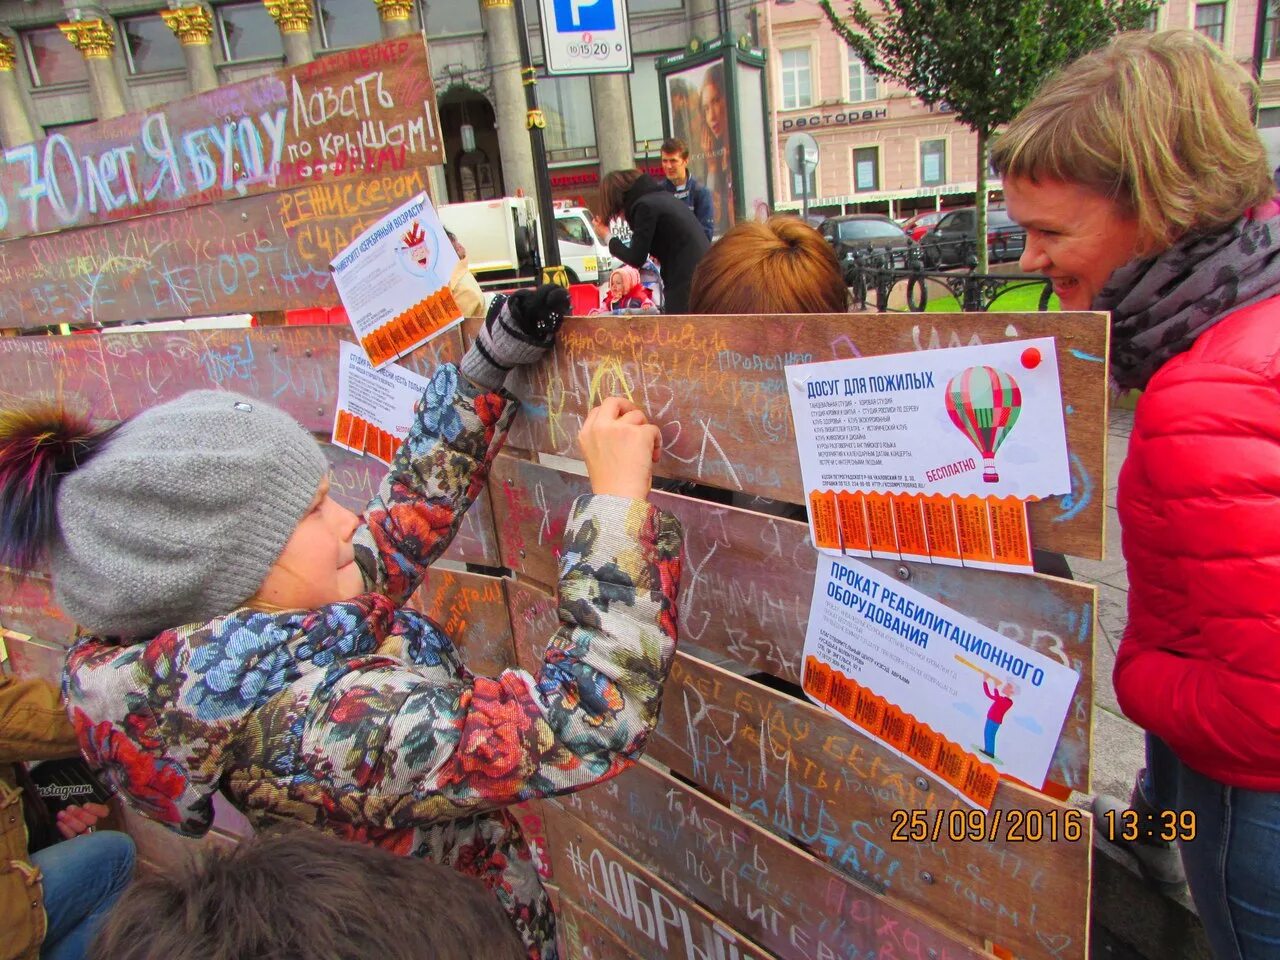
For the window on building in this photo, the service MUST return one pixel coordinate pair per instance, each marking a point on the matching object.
(862, 82)
(248, 32)
(443, 17)
(866, 169)
(348, 23)
(797, 79)
(652, 6)
(646, 103)
(52, 59)
(571, 130)
(1268, 117)
(1271, 32)
(150, 46)
(933, 162)
(1211, 20)
(1152, 23)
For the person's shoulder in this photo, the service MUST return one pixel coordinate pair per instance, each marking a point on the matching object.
(1245, 339)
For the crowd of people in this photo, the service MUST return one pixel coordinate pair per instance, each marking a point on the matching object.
(243, 633)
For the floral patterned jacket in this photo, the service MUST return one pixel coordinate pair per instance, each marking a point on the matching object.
(360, 719)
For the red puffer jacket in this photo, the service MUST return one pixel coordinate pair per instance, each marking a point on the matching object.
(1199, 503)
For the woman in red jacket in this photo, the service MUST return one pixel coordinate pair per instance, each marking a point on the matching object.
(1146, 192)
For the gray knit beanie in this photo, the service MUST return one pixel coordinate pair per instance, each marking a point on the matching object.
(179, 516)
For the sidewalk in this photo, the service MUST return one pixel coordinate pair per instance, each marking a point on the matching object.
(1117, 743)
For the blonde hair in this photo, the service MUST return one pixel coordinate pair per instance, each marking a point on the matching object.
(780, 266)
(1158, 123)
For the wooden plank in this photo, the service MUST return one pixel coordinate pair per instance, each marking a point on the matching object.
(471, 609)
(782, 898)
(583, 937)
(259, 253)
(30, 658)
(714, 385)
(27, 606)
(344, 114)
(529, 816)
(64, 370)
(802, 772)
(748, 581)
(646, 914)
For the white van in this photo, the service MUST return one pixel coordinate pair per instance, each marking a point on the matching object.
(500, 237)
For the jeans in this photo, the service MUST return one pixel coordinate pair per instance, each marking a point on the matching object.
(989, 736)
(82, 879)
(1233, 864)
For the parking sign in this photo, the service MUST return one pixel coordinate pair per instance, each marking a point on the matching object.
(585, 36)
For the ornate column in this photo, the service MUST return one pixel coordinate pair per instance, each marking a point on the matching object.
(15, 125)
(193, 27)
(397, 17)
(293, 17)
(95, 39)
(615, 139)
(500, 28)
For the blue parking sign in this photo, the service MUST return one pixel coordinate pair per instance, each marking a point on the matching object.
(575, 15)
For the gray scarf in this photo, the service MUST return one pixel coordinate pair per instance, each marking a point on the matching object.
(1159, 306)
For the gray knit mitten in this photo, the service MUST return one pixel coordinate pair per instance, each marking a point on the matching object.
(518, 329)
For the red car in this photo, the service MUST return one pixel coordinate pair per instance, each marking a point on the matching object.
(922, 223)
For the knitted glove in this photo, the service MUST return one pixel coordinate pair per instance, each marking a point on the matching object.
(518, 329)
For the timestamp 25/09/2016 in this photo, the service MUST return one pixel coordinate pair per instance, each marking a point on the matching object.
(1033, 826)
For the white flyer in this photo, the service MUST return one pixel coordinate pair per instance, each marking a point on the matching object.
(952, 696)
(394, 281)
(983, 421)
(375, 407)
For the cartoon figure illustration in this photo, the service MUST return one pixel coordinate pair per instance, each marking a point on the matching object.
(415, 242)
(1001, 697)
(984, 404)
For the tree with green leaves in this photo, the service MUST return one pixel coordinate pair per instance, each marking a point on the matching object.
(984, 59)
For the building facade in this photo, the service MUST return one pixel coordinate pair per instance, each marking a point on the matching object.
(882, 150)
(68, 62)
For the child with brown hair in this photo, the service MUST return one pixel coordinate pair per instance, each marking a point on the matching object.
(248, 635)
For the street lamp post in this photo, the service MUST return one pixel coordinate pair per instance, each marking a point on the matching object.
(552, 271)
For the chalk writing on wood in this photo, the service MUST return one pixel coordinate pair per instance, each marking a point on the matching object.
(646, 914)
(583, 937)
(748, 579)
(472, 611)
(761, 885)
(268, 252)
(359, 112)
(715, 388)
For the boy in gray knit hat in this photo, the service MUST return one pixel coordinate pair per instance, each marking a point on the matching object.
(249, 634)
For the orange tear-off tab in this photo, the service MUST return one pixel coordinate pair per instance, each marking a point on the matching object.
(911, 737)
(822, 511)
(1010, 538)
(973, 527)
(884, 537)
(908, 518)
(853, 523)
(342, 429)
(359, 434)
(940, 528)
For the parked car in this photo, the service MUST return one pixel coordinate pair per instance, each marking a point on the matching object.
(859, 234)
(918, 226)
(953, 242)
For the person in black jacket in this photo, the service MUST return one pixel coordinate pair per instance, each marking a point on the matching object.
(661, 225)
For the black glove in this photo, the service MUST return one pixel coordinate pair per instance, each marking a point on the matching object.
(518, 329)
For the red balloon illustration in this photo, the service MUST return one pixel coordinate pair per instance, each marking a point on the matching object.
(984, 404)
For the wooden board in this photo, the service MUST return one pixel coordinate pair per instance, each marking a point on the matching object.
(27, 606)
(714, 385)
(117, 375)
(647, 915)
(371, 109)
(782, 898)
(250, 255)
(748, 581)
(806, 774)
(471, 609)
(583, 937)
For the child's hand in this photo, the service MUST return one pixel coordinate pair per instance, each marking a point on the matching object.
(76, 819)
(620, 446)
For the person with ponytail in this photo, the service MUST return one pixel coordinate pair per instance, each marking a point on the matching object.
(249, 635)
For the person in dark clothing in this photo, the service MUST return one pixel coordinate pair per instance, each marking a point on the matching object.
(660, 225)
(675, 164)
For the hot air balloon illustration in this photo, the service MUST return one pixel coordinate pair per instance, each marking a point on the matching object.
(984, 404)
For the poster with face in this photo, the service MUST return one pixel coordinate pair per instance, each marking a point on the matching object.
(698, 105)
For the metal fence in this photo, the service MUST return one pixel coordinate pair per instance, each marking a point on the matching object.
(876, 273)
